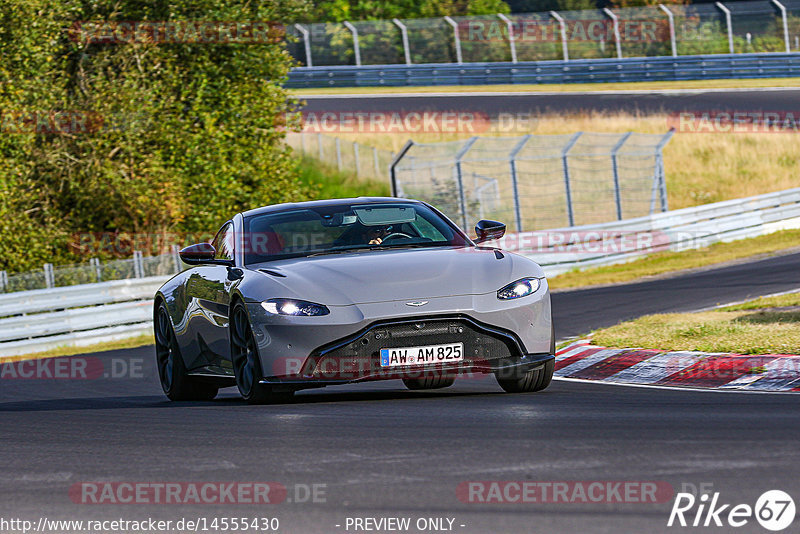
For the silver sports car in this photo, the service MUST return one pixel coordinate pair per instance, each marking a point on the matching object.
(310, 294)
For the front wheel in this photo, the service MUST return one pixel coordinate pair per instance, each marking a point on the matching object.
(534, 380)
(247, 364)
(175, 381)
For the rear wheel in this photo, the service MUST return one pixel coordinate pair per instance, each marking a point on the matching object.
(429, 382)
(247, 364)
(175, 381)
(534, 380)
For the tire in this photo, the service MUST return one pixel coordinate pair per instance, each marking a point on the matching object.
(175, 380)
(247, 364)
(535, 380)
(429, 382)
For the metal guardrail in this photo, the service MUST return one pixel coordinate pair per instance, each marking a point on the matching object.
(766, 65)
(583, 247)
(34, 321)
(44, 319)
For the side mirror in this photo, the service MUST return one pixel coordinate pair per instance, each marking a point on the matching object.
(488, 230)
(198, 254)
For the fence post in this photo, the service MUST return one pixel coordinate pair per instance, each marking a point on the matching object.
(396, 190)
(49, 277)
(615, 21)
(456, 38)
(514, 182)
(565, 165)
(563, 24)
(319, 144)
(785, 25)
(303, 143)
(662, 177)
(460, 180)
(404, 36)
(615, 169)
(137, 264)
(356, 48)
(176, 256)
(3, 281)
(511, 44)
(671, 19)
(98, 272)
(355, 154)
(375, 161)
(306, 44)
(338, 143)
(727, 12)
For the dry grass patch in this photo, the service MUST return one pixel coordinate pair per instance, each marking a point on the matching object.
(740, 332)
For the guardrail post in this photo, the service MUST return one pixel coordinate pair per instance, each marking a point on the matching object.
(615, 169)
(511, 44)
(456, 38)
(563, 24)
(785, 25)
(49, 277)
(615, 21)
(671, 19)
(396, 190)
(3, 281)
(338, 143)
(355, 155)
(306, 44)
(356, 48)
(462, 197)
(404, 36)
(728, 23)
(565, 165)
(375, 161)
(319, 144)
(514, 182)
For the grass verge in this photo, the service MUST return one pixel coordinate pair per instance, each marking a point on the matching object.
(561, 88)
(133, 342)
(661, 263)
(332, 183)
(747, 331)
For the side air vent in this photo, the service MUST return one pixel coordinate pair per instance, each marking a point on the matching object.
(273, 273)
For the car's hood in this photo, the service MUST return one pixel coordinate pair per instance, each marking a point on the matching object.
(380, 276)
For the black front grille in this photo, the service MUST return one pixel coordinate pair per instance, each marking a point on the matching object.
(360, 356)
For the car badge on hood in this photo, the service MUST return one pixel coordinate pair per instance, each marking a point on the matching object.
(417, 303)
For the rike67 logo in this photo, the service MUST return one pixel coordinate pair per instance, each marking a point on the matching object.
(774, 510)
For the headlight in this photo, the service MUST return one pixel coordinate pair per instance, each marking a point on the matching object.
(520, 288)
(294, 307)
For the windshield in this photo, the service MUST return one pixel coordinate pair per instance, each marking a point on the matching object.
(344, 228)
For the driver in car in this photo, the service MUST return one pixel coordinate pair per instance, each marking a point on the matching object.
(374, 235)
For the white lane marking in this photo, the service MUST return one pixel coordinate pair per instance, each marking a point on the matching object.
(778, 294)
(676, 92)
(674, 388)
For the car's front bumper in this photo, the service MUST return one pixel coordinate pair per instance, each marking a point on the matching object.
(343, 346)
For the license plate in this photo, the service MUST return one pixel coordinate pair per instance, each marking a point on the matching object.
(450, 352)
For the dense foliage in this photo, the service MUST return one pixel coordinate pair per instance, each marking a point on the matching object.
(148, 137)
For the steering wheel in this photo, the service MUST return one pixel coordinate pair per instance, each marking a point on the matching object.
(395, 235)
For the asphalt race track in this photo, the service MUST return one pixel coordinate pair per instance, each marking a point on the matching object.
(383, 451)
(634, 102)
